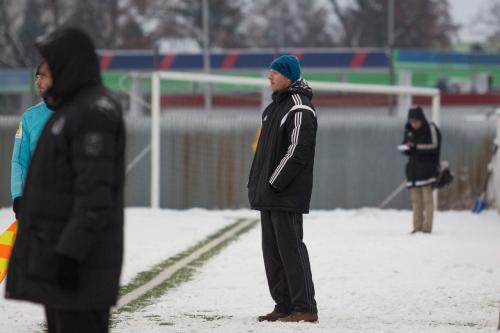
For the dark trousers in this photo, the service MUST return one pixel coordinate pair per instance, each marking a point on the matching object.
(75, 321)
(287, 262)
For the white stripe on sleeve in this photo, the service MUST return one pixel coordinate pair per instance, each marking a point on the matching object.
(291, 148)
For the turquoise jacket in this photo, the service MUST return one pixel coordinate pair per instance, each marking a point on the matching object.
(27, 134)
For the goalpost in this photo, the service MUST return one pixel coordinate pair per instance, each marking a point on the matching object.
(496, 170)
(259, 82)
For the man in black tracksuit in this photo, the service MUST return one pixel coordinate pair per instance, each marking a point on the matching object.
(69, 248)
(423, 140)
(280, 186)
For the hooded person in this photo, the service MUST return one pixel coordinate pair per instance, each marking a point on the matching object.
(423, 140)
(280, 187)
(69, 248)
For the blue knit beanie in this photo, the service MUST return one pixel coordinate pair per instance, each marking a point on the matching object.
(288, 66)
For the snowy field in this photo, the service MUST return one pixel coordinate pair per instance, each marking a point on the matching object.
(370, 274)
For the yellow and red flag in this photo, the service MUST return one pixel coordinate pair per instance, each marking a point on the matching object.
(6, 242)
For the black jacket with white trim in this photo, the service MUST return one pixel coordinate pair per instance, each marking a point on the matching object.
(423, 162)
(281, 176)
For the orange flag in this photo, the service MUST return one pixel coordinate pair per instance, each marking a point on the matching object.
(6, 242)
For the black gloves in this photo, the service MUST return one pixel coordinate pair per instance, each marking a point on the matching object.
(16, 206)
(67, 272)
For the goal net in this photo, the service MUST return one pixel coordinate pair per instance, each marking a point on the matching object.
(201, 143)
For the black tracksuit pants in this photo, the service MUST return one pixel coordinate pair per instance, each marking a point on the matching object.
(74, 321)
(286, 261)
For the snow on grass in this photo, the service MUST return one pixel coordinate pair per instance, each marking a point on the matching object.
(181, 267)
(370, 275)
(150, 237)
(155, 235)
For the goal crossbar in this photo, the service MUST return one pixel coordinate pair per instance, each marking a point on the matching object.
(157, 76)
(315, 85)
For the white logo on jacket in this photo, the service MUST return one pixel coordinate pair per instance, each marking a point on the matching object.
(104, 104)
(58, 126)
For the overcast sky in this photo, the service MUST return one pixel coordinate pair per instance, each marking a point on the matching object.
(464, 12)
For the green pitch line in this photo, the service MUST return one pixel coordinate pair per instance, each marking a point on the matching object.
(151, 284)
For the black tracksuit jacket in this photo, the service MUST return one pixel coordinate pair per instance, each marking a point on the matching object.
(281, 177)
(423, 162)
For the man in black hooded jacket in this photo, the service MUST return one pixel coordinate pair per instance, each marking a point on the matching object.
(423, 140)
(280, 186)
(69, 248)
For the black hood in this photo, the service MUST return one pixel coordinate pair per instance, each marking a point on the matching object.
(417, 113)
(297, 87)
(73, 63)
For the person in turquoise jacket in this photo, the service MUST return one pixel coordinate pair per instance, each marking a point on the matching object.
(30, 127)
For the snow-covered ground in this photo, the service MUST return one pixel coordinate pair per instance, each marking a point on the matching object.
(370, 274)
(150, 237)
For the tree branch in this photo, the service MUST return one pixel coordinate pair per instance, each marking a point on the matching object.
(11, 43)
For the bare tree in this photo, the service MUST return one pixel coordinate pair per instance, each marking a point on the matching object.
(183, 19)
(12, 54)
(289, 23)
(111, 24)
(418, 23)
(21, 22)
(234, 23)
(487, 23)
(104, 21)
